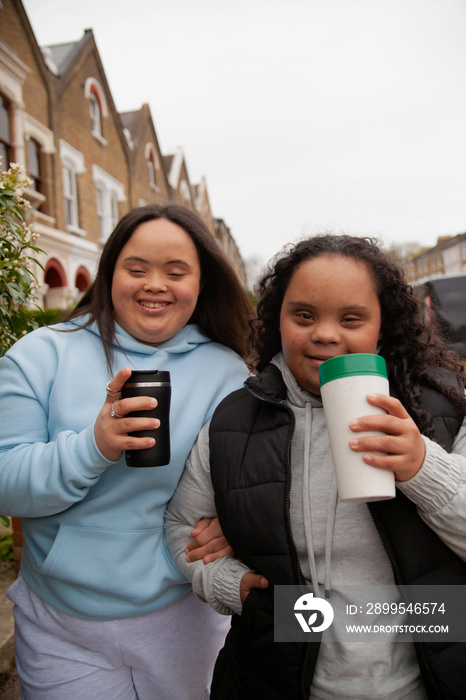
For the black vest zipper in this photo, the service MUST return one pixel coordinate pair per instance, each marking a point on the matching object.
(305, 689)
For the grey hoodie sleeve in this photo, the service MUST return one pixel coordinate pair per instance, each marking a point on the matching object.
(439, 491)
(217, 583)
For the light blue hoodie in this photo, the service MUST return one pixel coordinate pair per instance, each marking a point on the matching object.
(94, 539)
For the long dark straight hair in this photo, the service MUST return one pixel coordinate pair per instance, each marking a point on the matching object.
(223, 309)
(409, 344)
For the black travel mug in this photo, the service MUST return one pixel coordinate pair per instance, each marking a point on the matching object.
(156, 384)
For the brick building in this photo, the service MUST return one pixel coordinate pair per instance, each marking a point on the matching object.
(446, 259)
(89, 164)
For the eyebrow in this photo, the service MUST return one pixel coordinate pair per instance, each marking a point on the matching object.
(135, 258)
(305, 304)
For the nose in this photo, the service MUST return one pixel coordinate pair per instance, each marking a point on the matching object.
(325, 331)
(155, 283)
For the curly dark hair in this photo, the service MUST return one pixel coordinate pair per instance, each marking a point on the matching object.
(223, 309)
(409, 344)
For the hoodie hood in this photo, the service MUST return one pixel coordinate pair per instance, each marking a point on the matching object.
(296, 396)
(186, 340)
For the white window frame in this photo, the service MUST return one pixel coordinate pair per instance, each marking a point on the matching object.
(93, 92)
(8, 141)
(113, 210)
(13, 73)
(94, 112)
(101, 211)
(185, 192)
(70, 196)
(40, 133)
(153, 164)
(72, 162)
(109, 191)
(151, 168)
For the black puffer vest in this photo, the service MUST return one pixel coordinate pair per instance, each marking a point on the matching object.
(250, 442)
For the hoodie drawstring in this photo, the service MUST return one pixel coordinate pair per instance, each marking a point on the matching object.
(331, 511)
(331, 514)
(307, 502)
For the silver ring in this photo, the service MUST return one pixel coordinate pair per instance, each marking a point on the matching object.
(113, 413)
(111, 392)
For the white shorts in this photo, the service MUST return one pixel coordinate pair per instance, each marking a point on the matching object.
(166, 655)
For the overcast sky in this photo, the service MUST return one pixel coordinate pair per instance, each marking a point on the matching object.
(303, 115)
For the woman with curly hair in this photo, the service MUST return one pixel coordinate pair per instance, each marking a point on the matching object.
(409, 345)
(264, 466)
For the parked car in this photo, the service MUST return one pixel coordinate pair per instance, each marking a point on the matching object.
(445, 299)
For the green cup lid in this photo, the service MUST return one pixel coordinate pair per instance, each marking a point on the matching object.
(349, 365)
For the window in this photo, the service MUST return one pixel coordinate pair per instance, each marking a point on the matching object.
(70, 193)
(94, 111)
(109, 191)
(101, 211)
(5, 134)
(152, 165)
(113, 210)
(13, 73)
(184, 189)
(34, 169)
(107, 212)
(98, 109)
(73, 165)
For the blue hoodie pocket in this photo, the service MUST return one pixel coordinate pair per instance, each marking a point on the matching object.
(130, 564)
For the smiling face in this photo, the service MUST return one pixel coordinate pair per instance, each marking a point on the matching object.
(330, 308)
(156, 282)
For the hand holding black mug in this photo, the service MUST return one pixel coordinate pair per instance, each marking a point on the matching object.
(157, 385)
(133, 424)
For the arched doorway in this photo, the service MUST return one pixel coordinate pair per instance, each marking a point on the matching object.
(82, 279)
(55, 278)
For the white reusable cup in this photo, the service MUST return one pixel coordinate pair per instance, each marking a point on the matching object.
(345, 382)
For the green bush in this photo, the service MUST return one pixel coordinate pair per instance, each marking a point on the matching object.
(17, 283)
(6, 546)
(47, 317)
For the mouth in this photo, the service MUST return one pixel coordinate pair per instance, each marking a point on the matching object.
(153, 304)
(318, 360)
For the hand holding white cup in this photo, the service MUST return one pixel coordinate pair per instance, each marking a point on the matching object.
(345, 382)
